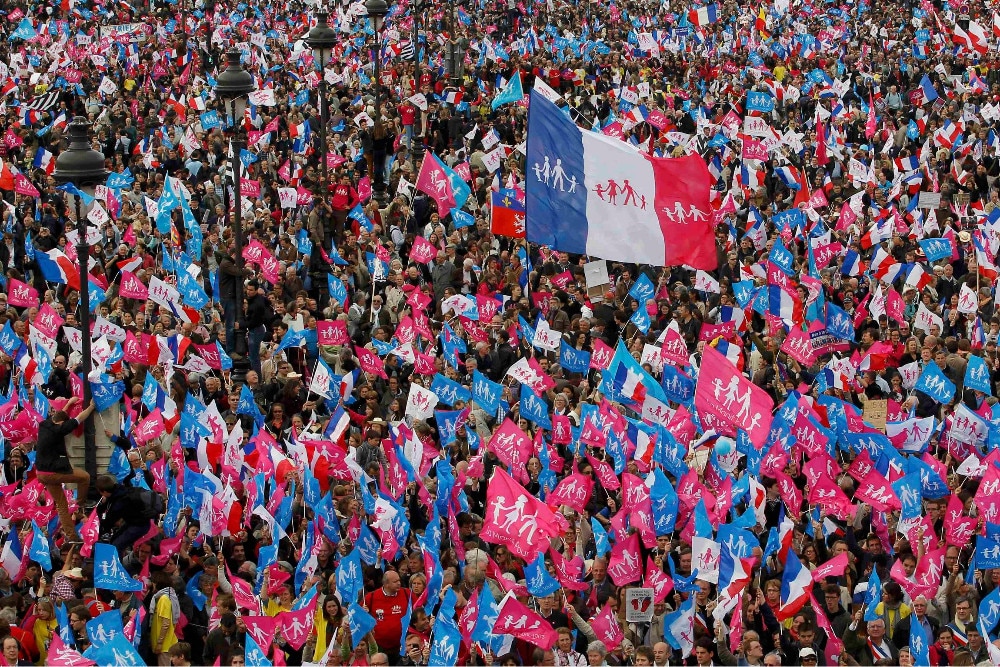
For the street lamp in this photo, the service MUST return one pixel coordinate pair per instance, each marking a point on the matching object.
(84, 167)
(417, 145)
(377, 11)
(234, 86)
(321, 40)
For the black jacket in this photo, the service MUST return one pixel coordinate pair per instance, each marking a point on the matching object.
(51, 454)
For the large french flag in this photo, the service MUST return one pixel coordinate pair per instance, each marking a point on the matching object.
(56, 267)
(595, 195)
(704, 15)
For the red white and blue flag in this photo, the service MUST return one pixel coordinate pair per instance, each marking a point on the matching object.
(584, 188)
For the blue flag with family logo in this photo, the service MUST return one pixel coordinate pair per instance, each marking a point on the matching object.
(109, 573)
(449, 391)
(360, 622)
(102, 630)
(934, 383)
(936, 248)
(486, 393)
(118, 651)
(977, 375)
(210, 120)
(335, 287)
(106, 394)
(919, 654)
(760, 101)
(572, 359)
(838, 322)
(535, 410)
(640, 318)
(987, 553)
(642, 289)
(254, 656)
(538, 580)
(676, 385)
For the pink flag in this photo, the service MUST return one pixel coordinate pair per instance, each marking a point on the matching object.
(574, 491)
(625, 565)
(512, 447)
(150, 427)
(607, 628)
(261, 628)
(516, 518)
(798, 345)
(331, 332)
(133, 351)
(605, 473)
(724, 392)
(423, 251)
(48, 321)
(657, 579)
(131, 287)
(831, 568)
(297, 625)
(370, 362)
(60, 655)
(433, 181)
(601, 357)
(21, 294)
(517, 620)
(90, 532)
(23, 186)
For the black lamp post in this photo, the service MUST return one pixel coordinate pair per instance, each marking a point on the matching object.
(84, 167)
(377, 11)
(234, 86)
(321, 40)
(417, 145)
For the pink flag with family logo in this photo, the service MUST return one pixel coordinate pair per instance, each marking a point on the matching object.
(331, 332)
(150, 427)
(573, 491)
(517, 620)
(516, 518)
(21, 294)
(607, 628)
(370, 362)
(722, 391)
(625, 565)
(423, 251)
(131, 287)
(433, 181)
(23, 186)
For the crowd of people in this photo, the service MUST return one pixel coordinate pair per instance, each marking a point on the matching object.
(394, 432)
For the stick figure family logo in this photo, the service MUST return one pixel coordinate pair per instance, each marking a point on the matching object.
(677, 213)
(612, 190)
(554, 175)
(730, 396)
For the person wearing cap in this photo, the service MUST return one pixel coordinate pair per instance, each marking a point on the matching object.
(807, 656)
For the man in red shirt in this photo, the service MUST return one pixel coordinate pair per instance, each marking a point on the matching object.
(344, 198)
(388, 605)
(408, 114)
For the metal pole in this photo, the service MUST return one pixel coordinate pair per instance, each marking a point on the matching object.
(379, 182)
(83, 255)
(322, 128)
(238, 208)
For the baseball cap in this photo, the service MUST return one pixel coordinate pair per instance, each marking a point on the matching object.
(807, 653)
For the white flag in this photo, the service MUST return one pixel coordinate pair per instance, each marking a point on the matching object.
(421, 402)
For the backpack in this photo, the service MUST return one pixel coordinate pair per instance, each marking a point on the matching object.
(151, 502)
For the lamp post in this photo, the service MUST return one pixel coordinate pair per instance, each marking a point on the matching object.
(84, 167)
(234, 86)
(417, 145)
(321, 40)
(377, 11)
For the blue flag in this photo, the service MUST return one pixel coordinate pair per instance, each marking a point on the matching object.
(935, 384)
(512, 92)
(361, 623)
(109, 573)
